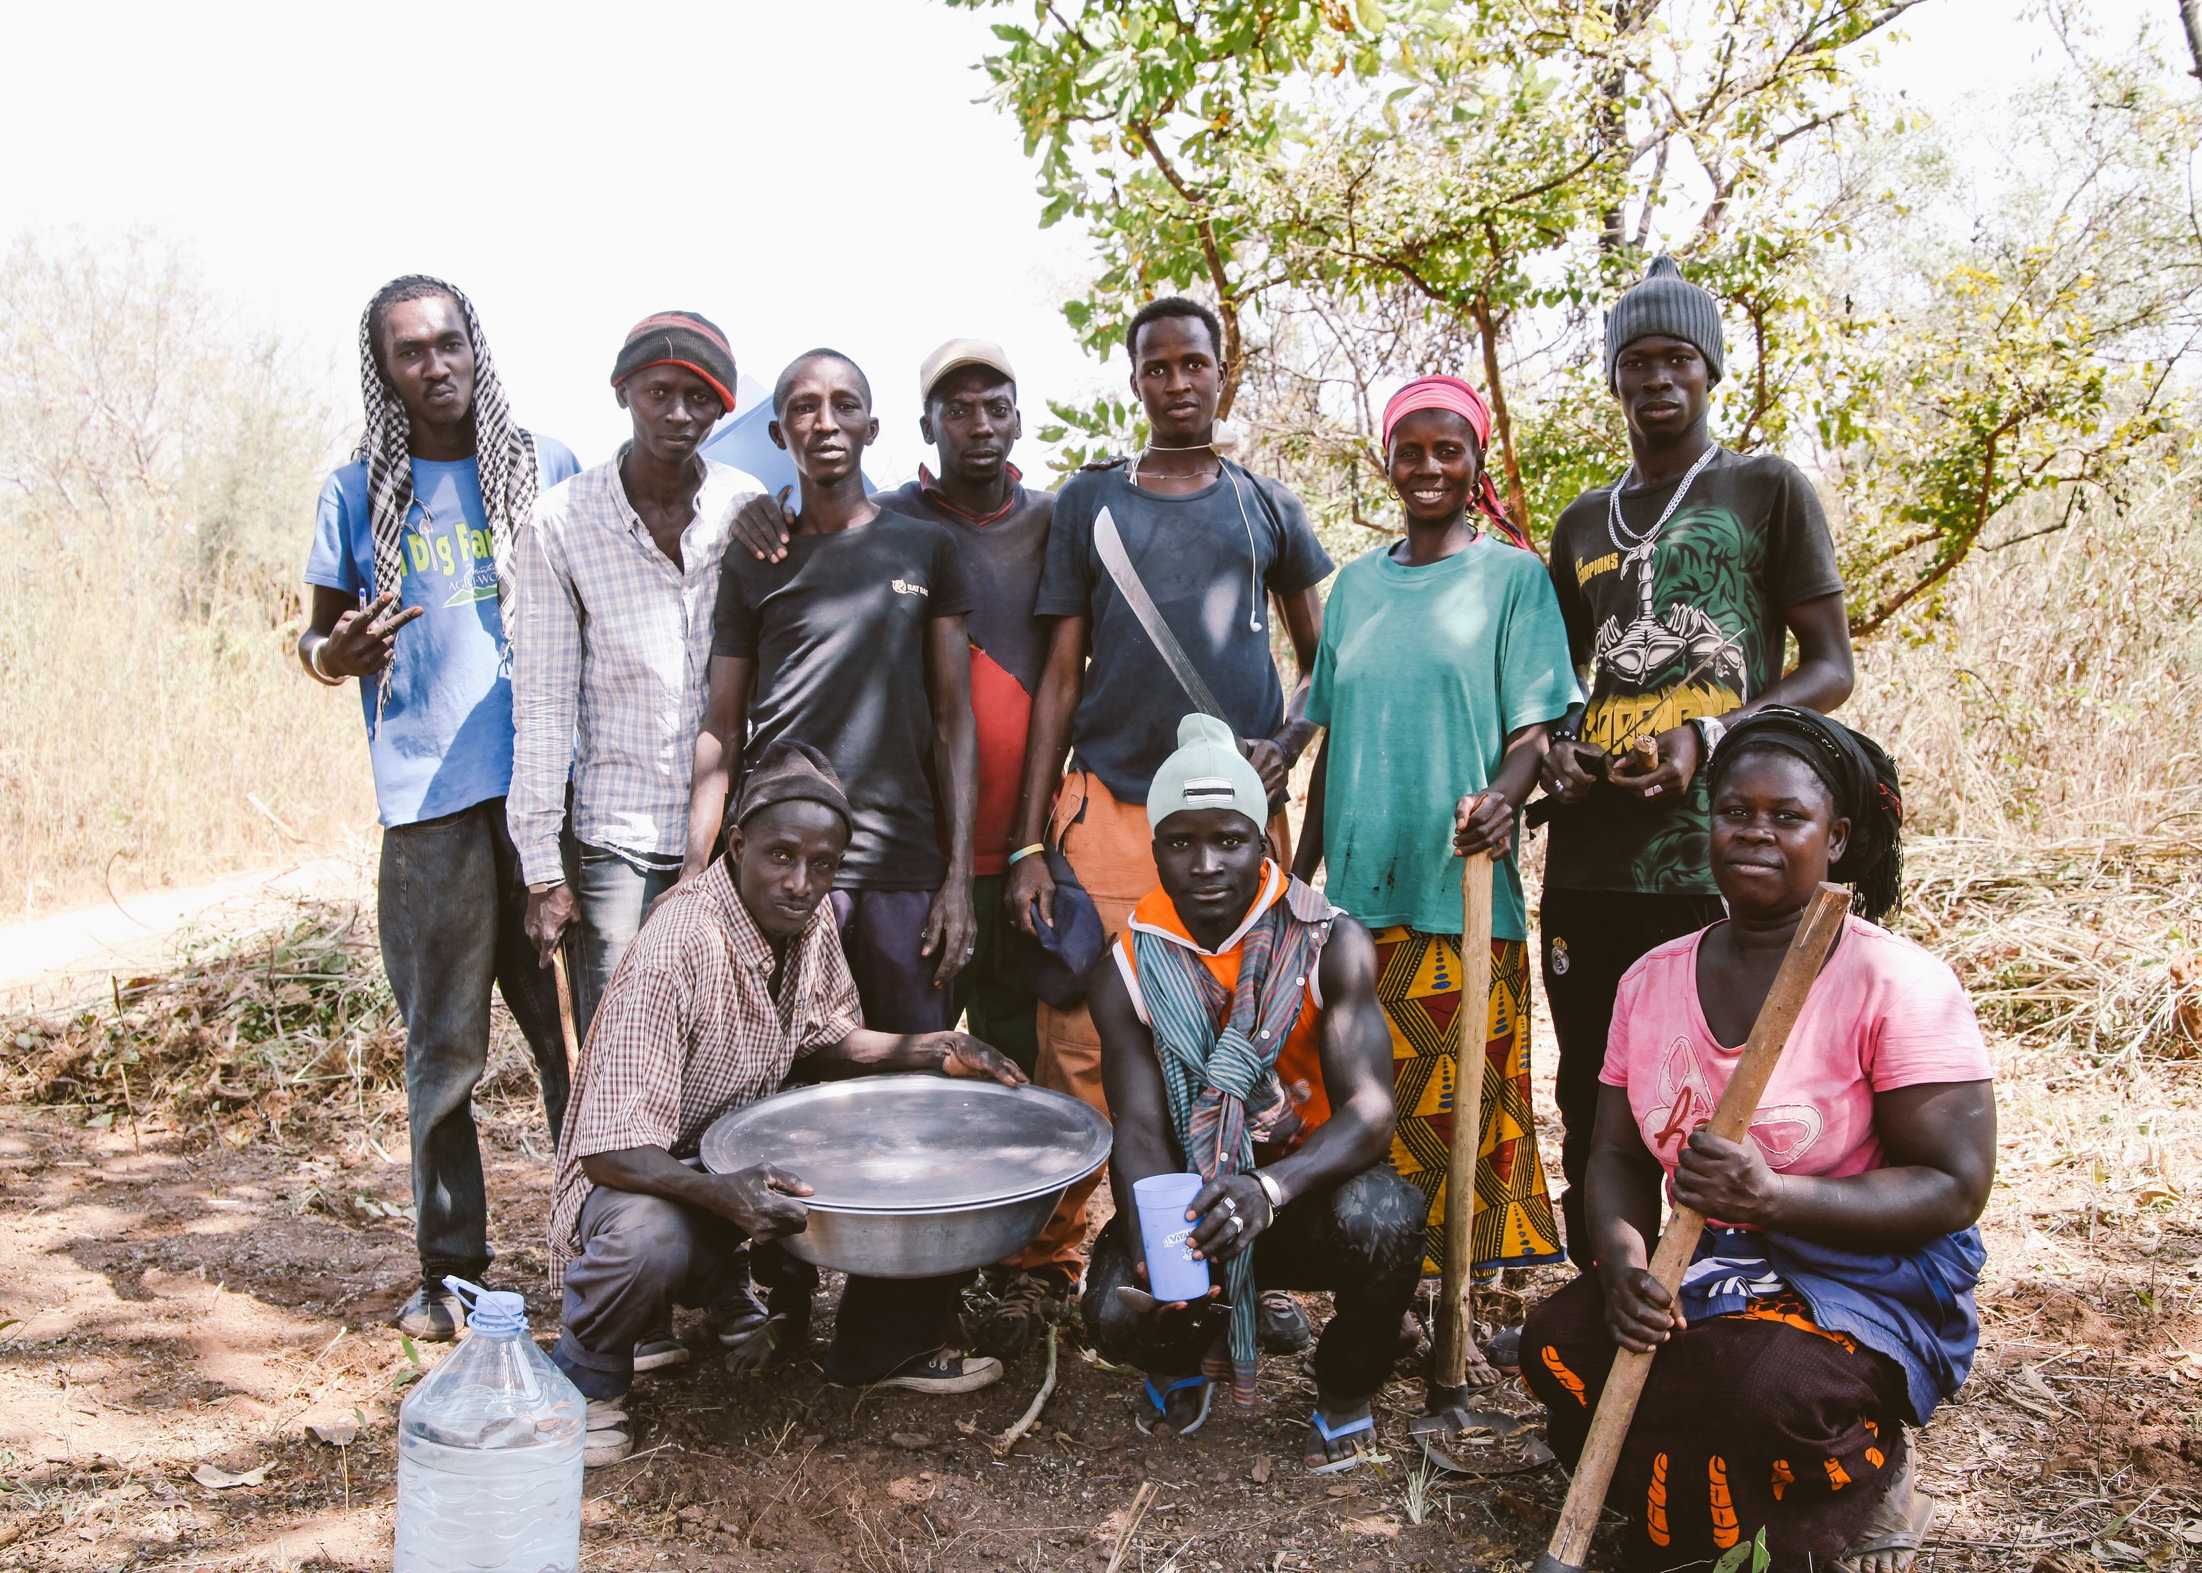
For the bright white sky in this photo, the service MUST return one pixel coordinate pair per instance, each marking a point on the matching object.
(801, 174)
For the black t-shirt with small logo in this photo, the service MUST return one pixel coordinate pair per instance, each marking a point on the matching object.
(1693, 627)
(837, 629)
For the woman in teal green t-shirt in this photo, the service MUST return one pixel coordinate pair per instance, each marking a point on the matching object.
(1443, 663)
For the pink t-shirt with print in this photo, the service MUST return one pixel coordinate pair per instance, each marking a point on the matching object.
(1882, 1014)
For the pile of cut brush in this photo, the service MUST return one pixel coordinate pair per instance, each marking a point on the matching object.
(2091, 948)
(244, 1031)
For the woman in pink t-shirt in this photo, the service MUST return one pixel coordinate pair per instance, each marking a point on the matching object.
(1830, 1302)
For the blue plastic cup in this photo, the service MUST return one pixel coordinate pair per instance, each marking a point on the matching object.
(1173, 1272)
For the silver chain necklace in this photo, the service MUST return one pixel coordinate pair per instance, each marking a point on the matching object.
(1638, 548)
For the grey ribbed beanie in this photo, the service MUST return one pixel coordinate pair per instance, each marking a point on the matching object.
(1665, 302)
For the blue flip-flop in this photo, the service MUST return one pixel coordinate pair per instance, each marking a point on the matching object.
(1161, 1403)
(1351, 1428)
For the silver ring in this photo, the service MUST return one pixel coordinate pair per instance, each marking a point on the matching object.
(1237, 1223)
(1230, 1206)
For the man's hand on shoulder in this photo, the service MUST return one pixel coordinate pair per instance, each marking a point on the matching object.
(763, 526)
(763, 1201)
(963, 1055)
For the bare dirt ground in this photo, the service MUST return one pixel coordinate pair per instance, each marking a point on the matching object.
(199, 1258)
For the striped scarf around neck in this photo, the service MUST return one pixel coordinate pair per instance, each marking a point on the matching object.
(1221, 1080)
(505, 457)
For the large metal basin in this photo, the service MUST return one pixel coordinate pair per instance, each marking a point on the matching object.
(916, 1175)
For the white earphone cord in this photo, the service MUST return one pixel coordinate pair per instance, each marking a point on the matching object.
(1253, 558)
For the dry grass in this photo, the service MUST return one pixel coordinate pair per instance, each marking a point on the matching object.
(158, 469)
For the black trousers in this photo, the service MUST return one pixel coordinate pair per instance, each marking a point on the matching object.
(1361, 1240)
(1590, 938)
(1746, 1422)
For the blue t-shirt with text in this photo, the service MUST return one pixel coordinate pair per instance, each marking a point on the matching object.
(445, 742)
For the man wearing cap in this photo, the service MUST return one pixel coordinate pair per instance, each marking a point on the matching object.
(618, 573)
(853, 642)
(1241, 1039)
(967, 391)
(738, 979)
(1678, 584)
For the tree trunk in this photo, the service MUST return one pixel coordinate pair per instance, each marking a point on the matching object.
(1502, 423)
(2190, 12)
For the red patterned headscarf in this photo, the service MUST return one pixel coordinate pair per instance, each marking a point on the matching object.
(1450, 393)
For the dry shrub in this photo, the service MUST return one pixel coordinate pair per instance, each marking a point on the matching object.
(296, 1016)
(2045, 723)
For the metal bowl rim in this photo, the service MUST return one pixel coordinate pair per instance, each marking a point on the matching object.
(1100, 1151)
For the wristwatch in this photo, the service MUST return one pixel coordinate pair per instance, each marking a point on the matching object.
(1710, 730)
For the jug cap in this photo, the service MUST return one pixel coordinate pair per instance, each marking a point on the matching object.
(494, 1313)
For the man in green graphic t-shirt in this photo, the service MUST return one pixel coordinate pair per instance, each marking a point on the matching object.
(1678, 584)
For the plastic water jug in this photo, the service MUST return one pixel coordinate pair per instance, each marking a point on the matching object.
(489, 1454)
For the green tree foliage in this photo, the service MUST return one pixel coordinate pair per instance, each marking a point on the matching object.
(1374, 190)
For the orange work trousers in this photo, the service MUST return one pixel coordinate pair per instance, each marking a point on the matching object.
(1111, 848)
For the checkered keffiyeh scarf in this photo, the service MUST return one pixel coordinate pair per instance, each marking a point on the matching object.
(505, 454)
(1222, 1084)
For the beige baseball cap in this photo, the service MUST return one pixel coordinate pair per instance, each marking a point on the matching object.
(958, 353)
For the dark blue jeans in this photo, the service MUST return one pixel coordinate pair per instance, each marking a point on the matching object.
(451, 905)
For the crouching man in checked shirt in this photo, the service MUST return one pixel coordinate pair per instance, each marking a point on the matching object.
(738, 976)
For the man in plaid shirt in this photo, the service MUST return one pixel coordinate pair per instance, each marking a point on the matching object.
(618, 572)
(739, 976)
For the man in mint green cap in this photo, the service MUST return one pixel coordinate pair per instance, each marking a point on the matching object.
(1241, 1038)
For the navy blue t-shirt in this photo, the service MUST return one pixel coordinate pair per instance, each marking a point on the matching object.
(1209, 560)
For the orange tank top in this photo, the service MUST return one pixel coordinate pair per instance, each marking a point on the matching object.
(1300, 1061)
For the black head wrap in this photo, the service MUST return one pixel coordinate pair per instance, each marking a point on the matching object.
(1860, 778)
(789, 770)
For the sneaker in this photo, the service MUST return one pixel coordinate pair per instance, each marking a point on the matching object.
(435, 1315)
(659, 1349)
(948, 1371)
(1279, 1323)
(611, 1435)
(1023, 1305)
(740, 1324)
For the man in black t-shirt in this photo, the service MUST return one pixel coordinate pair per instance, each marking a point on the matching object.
(854, 643)
(1678, 584)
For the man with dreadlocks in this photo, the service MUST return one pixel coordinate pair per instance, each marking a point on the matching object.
(411, 580)
(1241, 1037)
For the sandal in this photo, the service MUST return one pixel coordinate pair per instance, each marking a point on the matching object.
(1504, 1350)
(1161, 1402)
(1883, 1535)
(1352, 1460)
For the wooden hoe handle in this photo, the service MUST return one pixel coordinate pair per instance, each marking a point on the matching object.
(1609, 1427)
(1456, 1308)
(565, 1012)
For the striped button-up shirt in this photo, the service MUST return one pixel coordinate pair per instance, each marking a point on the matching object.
(611, 663)
(691, 1028)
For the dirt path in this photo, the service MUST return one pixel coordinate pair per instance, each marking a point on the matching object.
(54, 959)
